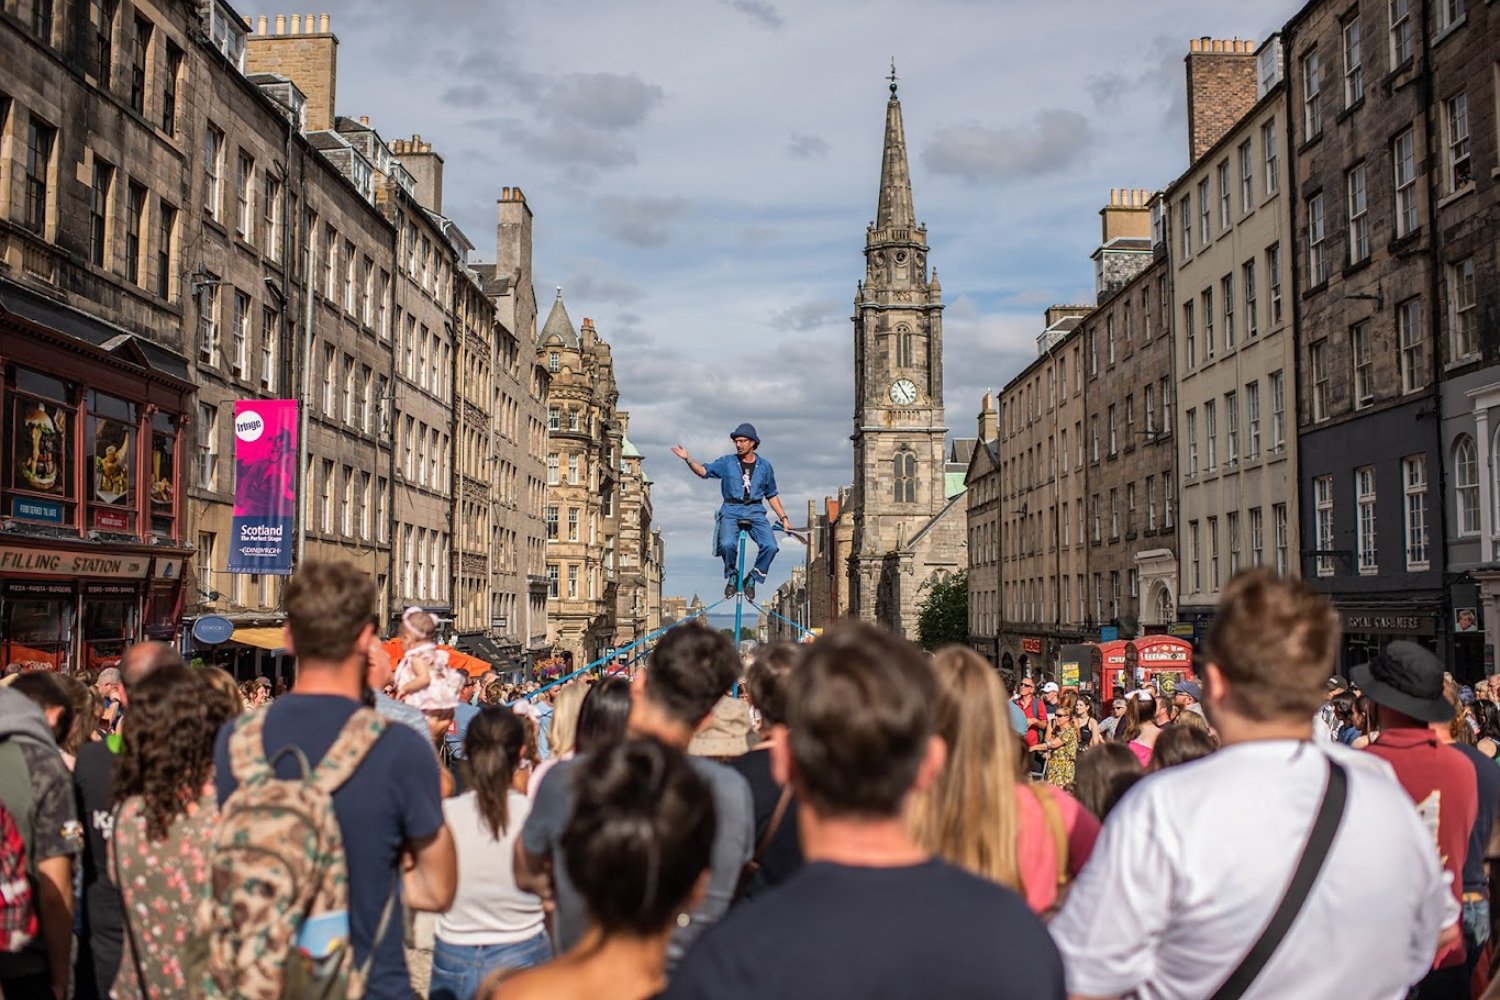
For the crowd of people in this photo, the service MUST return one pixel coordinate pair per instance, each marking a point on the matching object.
(849, 818)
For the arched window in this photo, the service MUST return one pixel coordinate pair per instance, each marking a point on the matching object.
(903, 346)
(904, 467)
(1466, 484)
(1164, 614)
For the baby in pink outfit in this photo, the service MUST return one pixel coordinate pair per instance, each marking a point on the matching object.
(424, 678)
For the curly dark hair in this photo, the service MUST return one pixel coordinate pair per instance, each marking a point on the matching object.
(169, 743)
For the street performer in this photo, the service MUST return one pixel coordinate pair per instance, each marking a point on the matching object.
(746, 481)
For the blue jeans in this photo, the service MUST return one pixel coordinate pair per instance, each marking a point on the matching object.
(458, 969)
(729, 518)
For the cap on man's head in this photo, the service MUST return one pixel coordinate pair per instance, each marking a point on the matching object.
(1189, 688)
(1337, 683)
(746, 430)
(1050, 688)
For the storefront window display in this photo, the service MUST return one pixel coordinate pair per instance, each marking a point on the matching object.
(109, 622)
(38, 622)
(111, 431)
(39, 480)
(162, 483)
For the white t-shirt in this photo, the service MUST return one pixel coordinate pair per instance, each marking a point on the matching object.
(1193, 860)
(488, 908)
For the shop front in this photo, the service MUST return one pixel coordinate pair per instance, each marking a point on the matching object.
(91, 554)
(1368, 629)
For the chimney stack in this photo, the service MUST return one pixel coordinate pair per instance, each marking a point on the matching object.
(426, 169)
(305, 53)
(1220, 89)
(989, 420)
(1127, 216)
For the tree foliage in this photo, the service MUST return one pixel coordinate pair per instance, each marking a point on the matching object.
(944, 615)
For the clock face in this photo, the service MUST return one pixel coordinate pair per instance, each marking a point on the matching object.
(903, 392)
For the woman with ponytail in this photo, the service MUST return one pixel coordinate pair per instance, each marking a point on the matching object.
(492, 923)
(637, 849)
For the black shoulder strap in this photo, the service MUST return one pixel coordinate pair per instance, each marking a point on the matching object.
(1314, 853)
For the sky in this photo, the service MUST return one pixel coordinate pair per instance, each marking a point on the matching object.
(702, 172)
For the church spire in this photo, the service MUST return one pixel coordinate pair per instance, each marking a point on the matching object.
(895, 211)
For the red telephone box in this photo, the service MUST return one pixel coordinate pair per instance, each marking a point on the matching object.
(1130, 663)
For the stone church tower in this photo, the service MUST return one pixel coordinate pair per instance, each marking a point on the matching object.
(908, 528)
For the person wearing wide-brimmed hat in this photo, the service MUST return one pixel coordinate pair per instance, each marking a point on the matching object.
(746, 481)
(1405, 681)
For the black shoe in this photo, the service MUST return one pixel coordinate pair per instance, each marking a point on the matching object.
(749, 587)
(729, 589)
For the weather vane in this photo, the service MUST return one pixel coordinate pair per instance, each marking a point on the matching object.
(893, 77)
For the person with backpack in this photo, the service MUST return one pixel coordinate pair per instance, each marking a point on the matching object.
(163, 824)
(37, 790)
(316, 767)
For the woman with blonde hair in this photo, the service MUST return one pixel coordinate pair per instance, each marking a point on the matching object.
(562, 737)
(982, 813)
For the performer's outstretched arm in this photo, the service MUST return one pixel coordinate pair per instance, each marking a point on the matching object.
(786, 522)
(697, 467)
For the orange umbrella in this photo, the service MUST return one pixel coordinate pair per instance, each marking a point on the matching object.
(471, 665)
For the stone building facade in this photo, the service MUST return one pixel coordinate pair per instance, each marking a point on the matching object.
(638, 548)
(581, 510)
(907, 531)
(1228, 237)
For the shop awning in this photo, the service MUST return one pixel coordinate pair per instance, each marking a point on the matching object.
(484, 648)
(470, 665)
(273, 639)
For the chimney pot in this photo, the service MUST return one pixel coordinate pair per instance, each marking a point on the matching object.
(364, 119)
(280, 24)
(296, 26)
(260, 24)
(323, 23)
(308, 24)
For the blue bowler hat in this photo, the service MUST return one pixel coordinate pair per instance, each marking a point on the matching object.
(745, 431)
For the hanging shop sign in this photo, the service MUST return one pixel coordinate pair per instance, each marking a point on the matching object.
(265, 492)
(211, 630)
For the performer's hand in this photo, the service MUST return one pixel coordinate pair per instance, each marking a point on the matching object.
(681, 452)
(786, 525)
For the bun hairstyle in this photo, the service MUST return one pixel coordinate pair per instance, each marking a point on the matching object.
(640, 837)
(494, 746)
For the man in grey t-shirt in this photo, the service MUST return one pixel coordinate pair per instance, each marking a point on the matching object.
(689, 670)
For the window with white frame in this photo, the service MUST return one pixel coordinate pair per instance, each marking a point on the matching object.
(1357, 205)
(1114, 513)
(1362, 357)
(208, 447)
(1278, 411)
(1189, 334)
(1317, 242)
(1312, 96)
(239, 336)
(1210, 436)
(1226, 297)
(1252, 421)
(1364, 499)
(553, 467)
(213, 170)
(1224, 195)
(1232, 525)
(1451, 13)
(1272, 162)
(1273, 275)
(1114, 430)
(1205, 214)
(244, 219)
(1231, 429)
(1404, 164)
(1150, 407)
(1279, 526)
(1247, 284)
(1317, 363)
(1402, 30)
(1247, 177)
(1166, 500)
(1414, 476)
(208, 321)
(1195, 548)
(1458, 172)
(1323, 524)
(1257, 536)
(1192, 440)
(1151, 503)
(1463, 312)
(1466, 484)
(1409, 343)
(1354, 73)
(1208, 324)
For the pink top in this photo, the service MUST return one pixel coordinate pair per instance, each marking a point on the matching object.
(1142, 752)
(1036, 844)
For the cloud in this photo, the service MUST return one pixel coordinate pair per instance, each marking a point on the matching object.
(979, 153)
(468, 95)
(640, 222)
(759, 10)
(608, 101)
(810, 315)
(807, 147)
(582, 153)
(588, 285)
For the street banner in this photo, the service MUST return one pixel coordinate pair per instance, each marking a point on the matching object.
(265, 486)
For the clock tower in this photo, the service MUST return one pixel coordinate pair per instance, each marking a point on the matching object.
(899, 433)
